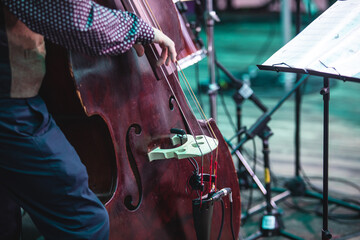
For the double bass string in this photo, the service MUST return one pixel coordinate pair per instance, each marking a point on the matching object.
(154, 20)
(201, 111)
(145, 15)
(198, 106)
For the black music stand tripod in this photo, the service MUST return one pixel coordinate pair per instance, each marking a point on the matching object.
(314, 52)
(325, 92)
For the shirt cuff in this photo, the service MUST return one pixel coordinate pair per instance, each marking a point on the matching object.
(146, 33)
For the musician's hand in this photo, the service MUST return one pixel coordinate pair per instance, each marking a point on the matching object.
(168, 52)
(139, 49)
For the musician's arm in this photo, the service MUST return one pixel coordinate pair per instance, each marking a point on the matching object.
(83, 25)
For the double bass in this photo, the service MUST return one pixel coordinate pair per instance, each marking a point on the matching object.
(117, 112)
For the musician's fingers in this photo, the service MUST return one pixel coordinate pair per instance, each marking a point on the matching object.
(163, 56)
(167, 62)
(139, 49)
(168, 47)
(171, 51)
(169, 58)
(172, 54)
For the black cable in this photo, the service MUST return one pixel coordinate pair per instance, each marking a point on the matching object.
(227, 112)
(342, 218)
(197, 74)
(196, 172)
(245, 152)
(250, 155)
(231, 220)
(251, 191)
(197, 165)
(308, 181)
(341, 180)
(222, 218)
(352, 200)
(313, 187)
(194, 163)
(333, 216)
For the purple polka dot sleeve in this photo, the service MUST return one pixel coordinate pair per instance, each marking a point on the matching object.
(82, 25)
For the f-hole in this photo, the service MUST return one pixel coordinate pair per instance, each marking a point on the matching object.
(128, 201)
(172, 100)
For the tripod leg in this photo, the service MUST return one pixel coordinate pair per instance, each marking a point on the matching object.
(289, 235)
(254, 236)
(250, 172)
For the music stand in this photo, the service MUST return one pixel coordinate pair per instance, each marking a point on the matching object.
(330, 48)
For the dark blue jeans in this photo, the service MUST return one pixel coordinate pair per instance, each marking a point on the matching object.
(43, 174)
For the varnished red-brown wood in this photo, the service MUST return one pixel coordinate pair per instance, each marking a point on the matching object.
(114, 110)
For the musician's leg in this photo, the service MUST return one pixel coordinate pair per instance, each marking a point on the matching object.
(10, 216)
(45, 174)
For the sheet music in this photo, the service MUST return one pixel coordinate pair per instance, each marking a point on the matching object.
(330, 44)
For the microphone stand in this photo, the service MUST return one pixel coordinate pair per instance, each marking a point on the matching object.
(271, 224)
(211, 17)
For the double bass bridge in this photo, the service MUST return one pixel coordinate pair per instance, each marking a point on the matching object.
(190, 146)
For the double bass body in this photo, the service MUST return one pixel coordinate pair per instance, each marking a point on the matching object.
(117, 109)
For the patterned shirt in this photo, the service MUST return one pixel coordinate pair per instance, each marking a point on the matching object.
(82, 25)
